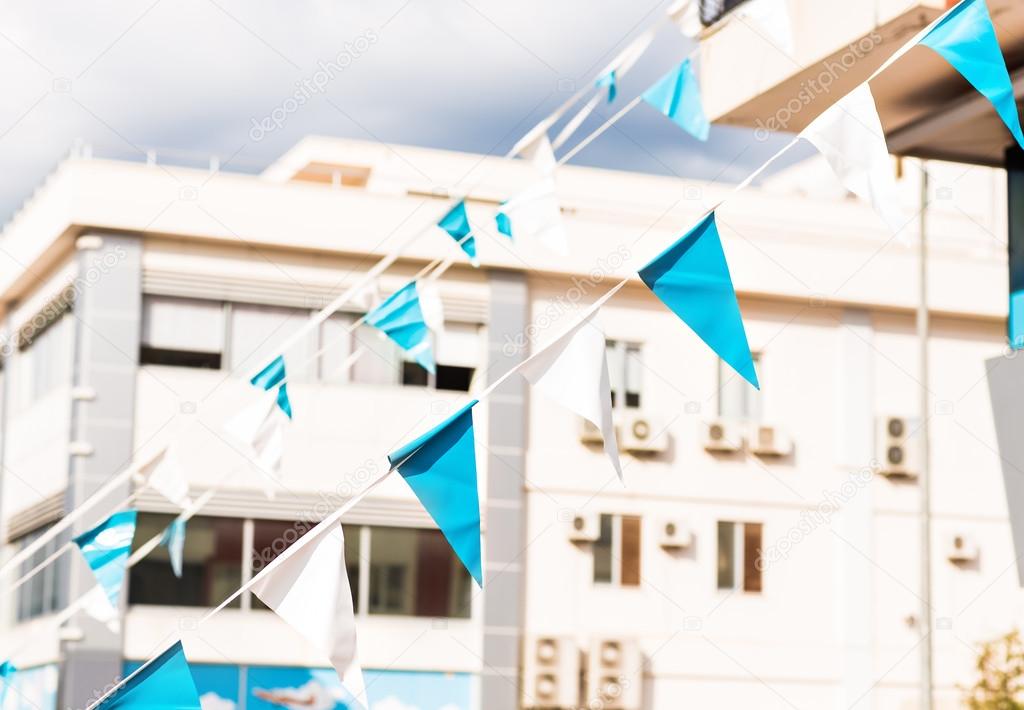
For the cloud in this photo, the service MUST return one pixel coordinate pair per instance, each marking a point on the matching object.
(212, 701)
(392, 703)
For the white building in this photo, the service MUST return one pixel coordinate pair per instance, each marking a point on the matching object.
(759, 556)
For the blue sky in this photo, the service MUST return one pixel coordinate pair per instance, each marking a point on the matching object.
(188, 78)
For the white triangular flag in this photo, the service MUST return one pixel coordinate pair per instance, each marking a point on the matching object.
(96, 604)
(536, 215)
(772, 18)
(685, 14)
(849, 134)
(541, 154)
(309, 590)
(431, 305)
(167, 478)
(260, 427)
(573, 371)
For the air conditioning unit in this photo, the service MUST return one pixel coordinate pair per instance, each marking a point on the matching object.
(675, 535)
(614, 675)
(897, 452)
(722, 437)
(765, 440)
(962, 550)
(640, 434)
(589, 434)
(551, 673)
(585, 527)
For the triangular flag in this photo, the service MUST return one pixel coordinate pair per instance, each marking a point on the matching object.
(431, 304)
(7, 671)
(456, 223)
(502, 222)
(967, 40)
(772, 18)
(106, 548)
(401, 319)
(692, 278)
(260, 427)
(677, 95)
(573, 371)
(310, 591)
(440, 467)
(610, 82)
(535, 214)
(164, 475)
(97, 606)
(541, 154)
(849, 134)
(164, 683)
(685, 14)
(174, 540)
(269, 377)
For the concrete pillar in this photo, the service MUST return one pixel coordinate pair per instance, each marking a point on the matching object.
(504, 564)
(108, 313)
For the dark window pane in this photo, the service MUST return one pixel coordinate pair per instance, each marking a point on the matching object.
(630, 551)
(603, 551)
(751, 557)
(726, 555)
(352, 558)
(414, 573)
(179, 358)
(211, 570)
(450, 377)
(414, 375)
(41, 594)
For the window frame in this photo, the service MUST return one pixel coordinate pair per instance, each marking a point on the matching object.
(617, 558)
(739, 558)
(624, 350)
(753, 404)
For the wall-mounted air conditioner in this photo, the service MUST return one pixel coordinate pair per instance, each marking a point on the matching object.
(551, 673)
(897, 448)
(722, 437)
(675, 535)
(614, 675)
(770, 441)
(585, 527)
(640, 434)
(961, 550)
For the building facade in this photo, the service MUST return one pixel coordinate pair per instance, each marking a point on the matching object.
(762, 552)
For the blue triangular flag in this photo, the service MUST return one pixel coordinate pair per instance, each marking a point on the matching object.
(400, 317)
(456, 223)
(7, 671)
(174, 540)
(677, 95)
(106, 548)
(440, 467)
(691, 277)
(609, 81)
(165, 683)
(269, 377)
(966, 39)
(503, 223)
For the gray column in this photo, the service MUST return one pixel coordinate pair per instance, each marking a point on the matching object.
(108, 311)
(505, 506)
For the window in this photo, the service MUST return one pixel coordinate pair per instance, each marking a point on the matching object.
(617, 551)
(456, 350)
(184, 332)
(413, 572)
(739, 555)
(737, 399)
(44, 360)
(211, 570)
(42, 593)
(625, 372)
(335, 348)
(711, 11)
(257, 331)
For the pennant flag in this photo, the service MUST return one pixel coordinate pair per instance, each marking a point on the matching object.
(440, 467)
(269, 377)
(164, 475)
(503, 223)
(97, 605)
(677, 95)
(310, 591)
(849, 134)
(966, 39)
(685, 14)
(431, 304)
(535, 214)
(260, 428)
(692, 278)
(610, 82)
(7, 671)
(772, 18)
(106, 548)
(456, 223)
(573, 371)
(401, 319)
(174, 540)
(541, 154)
(164, 683)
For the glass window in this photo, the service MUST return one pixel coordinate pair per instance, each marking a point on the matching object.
(44, 362)
(625, 373)
(257, 331)
(183, 332)
(739, 555)
(42, 593)
(211, 570)
(603, 551)
(413, 572)
(630, 551)
(336, 347)
(737, 399)
(378, 364)
(617, 551)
